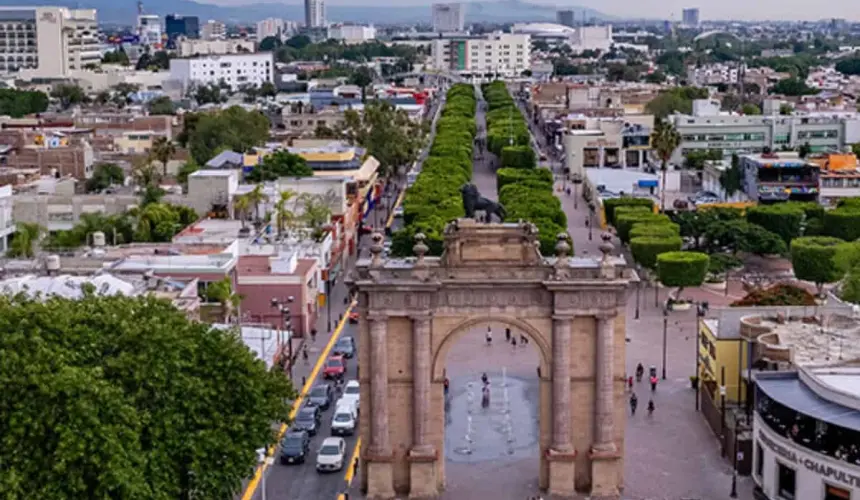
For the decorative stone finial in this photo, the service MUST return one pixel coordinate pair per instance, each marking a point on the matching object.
(376, 249)
(419, 249)
(562, 247)
(606, 247)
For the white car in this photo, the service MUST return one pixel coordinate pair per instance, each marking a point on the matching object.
(330, 456)
(351, 392)
(344, 420)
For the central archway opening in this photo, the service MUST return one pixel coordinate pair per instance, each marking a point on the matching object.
(492, 411)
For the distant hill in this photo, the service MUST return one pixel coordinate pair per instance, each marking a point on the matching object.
(124, 12)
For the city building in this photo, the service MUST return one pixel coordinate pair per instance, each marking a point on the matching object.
(315, 15)
(591, 38)
(236, 70)
(7, 221)
(566, 18)
(806, 433)
(351, 33)
(278, 28)
(606, 142)
(49, 40)
(709, 128)
(690, 18)
(494, 54)
(770, 177)
(449, 17)
(185, 26)
(839, 178)
(213, 30)
(192, 48)
(150, 31)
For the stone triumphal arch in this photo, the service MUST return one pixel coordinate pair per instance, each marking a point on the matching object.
(412, 310)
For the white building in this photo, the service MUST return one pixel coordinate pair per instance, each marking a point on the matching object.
(213, 30)
(448, 17)
(351, 33)
(236, 70)
(149, 29)
(498, 53)
(189, 48)
(50, 40)
(275, 27)
(315, 14)
(806, 433)
(590, 38)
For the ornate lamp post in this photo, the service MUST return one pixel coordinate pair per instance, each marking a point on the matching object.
(576, 179)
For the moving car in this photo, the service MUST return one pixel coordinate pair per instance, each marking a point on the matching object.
(330, 456)
(321, 396)
(335, 367)
(351, 392)
(353, 318)
(295, 447)
(308, 420)
(345, 346)
(398, 212)
(344, 420)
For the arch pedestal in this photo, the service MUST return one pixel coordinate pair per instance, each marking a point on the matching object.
(412, 312)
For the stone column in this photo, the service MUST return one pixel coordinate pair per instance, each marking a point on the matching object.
(421, 383)
(380, 441)
(561, 410)
(604, 415)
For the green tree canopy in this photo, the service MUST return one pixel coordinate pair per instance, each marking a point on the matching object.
(849, 66)
(68, 94)
(678, 99)
(17, 103)
(279, 164)
(161, 106)
(682, 269)
(104, 176)
(814, 258)
(234, 128)
(118, 397)
(792, 87)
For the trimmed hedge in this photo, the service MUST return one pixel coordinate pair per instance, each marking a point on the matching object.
(843, 222)
(624, 222)
(645, 249)
(525, 192)
(782, 219)
(682, 269)
(658, 230)
(434, 199)
(814, 259)
(611, 204)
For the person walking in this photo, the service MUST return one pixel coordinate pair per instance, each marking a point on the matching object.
(653, 383)
(305, 353)
(524, 340)
(514, 342)
(650, 407)
(634, 401)
(630, 383)
(314, 335)
(489, 336)
(507, 334)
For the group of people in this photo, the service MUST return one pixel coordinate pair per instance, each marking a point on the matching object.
(510, 338)
(634, 400)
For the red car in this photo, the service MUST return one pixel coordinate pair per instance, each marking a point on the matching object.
(353, 318)
(335, 367)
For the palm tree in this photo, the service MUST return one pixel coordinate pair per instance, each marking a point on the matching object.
(163, 150)
(25, 241)
(255, 197)
(241, 204)
(222, 293)
(665, 140)
(283, 215)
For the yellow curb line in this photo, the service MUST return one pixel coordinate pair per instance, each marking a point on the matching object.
(396, 204)
(350, 472)
(309, 382)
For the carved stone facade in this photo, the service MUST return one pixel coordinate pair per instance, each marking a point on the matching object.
(413, 310)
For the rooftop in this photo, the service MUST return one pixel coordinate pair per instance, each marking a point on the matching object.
(808, 340)
(67, 286)
(210, 232)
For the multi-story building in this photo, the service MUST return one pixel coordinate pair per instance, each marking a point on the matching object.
(806, 431)
(150, 31)
(584, 38)
(449, 17)
(50, 40)
(236, 70)
(351, 33)
(708, 128)
(690, 18)
(315, 14)
(275, 27)
(213, 30)
(185, 26)
(497, 54)
(566, 18)
(770, 177)
(606, 142)
(839, 179)
(191, 48)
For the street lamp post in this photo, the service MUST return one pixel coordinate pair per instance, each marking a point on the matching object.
(591, 208)
(576, 178)
(287, 324)
(701, 310)
(734, 492)
(665, 326)
(638, 287)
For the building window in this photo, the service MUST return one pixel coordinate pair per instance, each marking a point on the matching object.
(759, 460)
(785, 481)
(835, 493)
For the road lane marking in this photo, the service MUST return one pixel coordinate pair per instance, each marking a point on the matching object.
(350, 471)
(396, 204)
(251, 489)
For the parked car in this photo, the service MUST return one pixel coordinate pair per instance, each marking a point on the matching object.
(398, 212)
(353, 318)
(330, 457)
(345, 346)
(344, 420)
(351, 392)
(295, 447)
(335, 367)
(321, 396)
(308, 420)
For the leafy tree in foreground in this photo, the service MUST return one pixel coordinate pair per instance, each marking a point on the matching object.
(682, 269)
(814, 258)
(117, 397)
(279, 164)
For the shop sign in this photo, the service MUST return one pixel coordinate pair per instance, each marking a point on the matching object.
(601, 143)
(822, 469)
(724, 145)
